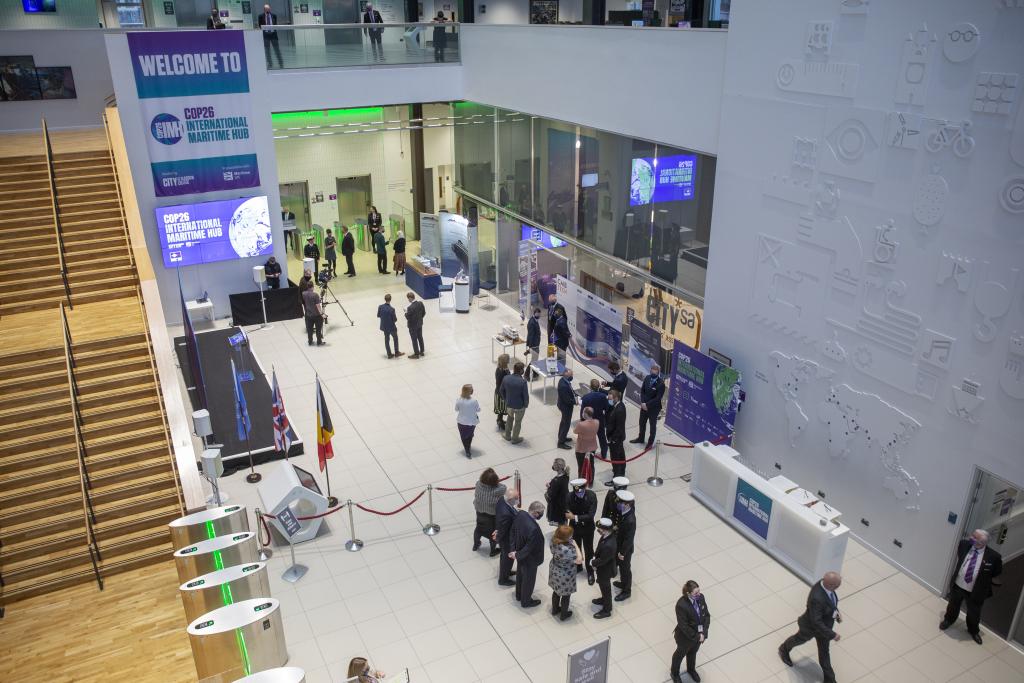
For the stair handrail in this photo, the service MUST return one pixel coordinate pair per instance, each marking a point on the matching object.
(120, 203)
(56, 214)
(160, 399)
(83, 475)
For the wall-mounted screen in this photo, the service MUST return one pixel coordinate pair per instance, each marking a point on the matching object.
(214, 231)
(543, 238)
(34, 6)
(664, 179)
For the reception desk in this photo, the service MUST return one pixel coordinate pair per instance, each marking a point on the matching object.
(422, 279)
(797, 529)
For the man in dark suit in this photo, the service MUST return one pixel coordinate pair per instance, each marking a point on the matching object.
(414, 317)
(597, 400)
(580, 515)
(273, 271)
(554, 308)
(533, 338)
(213, 21)
(976, 566)
(348, 249)
(372, 16)
(527, 551)
(604, 566)
(816, 622)
(266, 19)
(389, 326)
(560, 334)
(566, 404)
(651, 392)
(624, 536)
(616, 430)
(619, 378)
(504, 514)
(692, 623)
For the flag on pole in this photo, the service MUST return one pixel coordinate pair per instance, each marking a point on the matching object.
(324, 429)
(241, 411)
(284, 435)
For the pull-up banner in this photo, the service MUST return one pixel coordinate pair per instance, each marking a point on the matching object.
(193, 89)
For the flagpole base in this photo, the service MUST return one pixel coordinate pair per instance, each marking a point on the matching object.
(332, 501)
(253, 477)
(432, 529)
(655, 481)
(354, 546)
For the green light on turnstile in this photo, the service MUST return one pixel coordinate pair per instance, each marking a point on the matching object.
(210, 533)
(218, 560)
(225, 592)
(247, 667)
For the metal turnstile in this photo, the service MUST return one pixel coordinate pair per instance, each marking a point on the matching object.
(206, 524)
(285, 674)
(216, 553)
(239, 639)
(223, 587)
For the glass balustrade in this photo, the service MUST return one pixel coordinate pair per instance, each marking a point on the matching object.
(340, 45)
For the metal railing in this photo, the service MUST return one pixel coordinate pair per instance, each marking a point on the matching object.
(340, 45)
(88, 512)
(159, 397)
(56, 214)
(120, 202)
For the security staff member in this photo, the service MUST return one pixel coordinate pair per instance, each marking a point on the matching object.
(619, 379)
(693, 620)
(626, 532)
(273, 271)
(581, 508)
(610, 507)
(651, 392)
(604, 566)
(312, 251)
(504, 513)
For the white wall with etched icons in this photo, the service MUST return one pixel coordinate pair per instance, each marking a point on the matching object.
(867, 259)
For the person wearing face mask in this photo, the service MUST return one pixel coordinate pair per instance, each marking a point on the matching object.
(505, 511)
(566, 406)
(619, 379)
(586, 431)
(560, 334)
(651, 392)
(533, 340)
(603, 566)
(582, 506)
(625, 533)
(527, 551)
(488, 494)
(610, 508)
(976, 566)
(692, 623)
(597, 401)
(615, 426)
(565, 557)
(557, 492)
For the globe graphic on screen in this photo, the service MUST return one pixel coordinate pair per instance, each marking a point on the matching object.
(641, 183)
(249, 229)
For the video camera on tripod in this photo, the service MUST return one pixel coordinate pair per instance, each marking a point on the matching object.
(323, 279)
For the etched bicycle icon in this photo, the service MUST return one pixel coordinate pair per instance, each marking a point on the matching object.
(947, 134)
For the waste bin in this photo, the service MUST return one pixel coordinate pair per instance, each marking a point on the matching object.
(239, 639)
(284, 674)
(206, 524)
(215, 553)
(223, 587)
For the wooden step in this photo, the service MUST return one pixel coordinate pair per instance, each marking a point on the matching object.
(37, 231)
(84, 270)
(21, 364)
(53, 581)
(69, 209)
(28, 185)
(109, 349)
(111, 460)
(50, 375)
(43, 259)
(80, 182)
(104, 222)
(59, 438)
(28, 213)
(125, 292)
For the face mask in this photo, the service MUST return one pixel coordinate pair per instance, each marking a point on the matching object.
(611, 402)
(580, 493)
(537, 316)
(622, 507)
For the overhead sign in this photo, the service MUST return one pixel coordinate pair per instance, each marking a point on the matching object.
(675, 317)
(193, 89)
(590, 665)
(753, 508)
(703, 396)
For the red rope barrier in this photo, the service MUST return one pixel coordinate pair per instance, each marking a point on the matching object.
(466, 488)
(623, 462)
(331, 511)
(393, 512)
(263, 523)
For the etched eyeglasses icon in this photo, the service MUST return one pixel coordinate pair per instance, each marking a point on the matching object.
(967, 36)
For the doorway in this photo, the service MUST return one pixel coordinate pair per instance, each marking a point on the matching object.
(355, 196)
(996, 507)
(294, 215)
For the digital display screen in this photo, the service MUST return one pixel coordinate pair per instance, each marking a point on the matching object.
(664, 179)
(588, 180)
(34, 6)
(543, 238)
(214, 231)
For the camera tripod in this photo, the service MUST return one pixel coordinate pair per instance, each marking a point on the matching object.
(325, 289)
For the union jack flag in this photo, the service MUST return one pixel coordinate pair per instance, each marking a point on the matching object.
(284, 435)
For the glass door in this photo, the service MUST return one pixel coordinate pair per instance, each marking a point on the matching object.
(996, 507)
(355, 197)
(295, 215)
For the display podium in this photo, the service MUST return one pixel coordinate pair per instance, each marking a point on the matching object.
(207, 556)
(218, 588)
(802, 533)
(284, 674)
(286, 485)
(239, 639)
(207, 524)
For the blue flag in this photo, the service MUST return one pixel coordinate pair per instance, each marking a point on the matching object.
(241, 411)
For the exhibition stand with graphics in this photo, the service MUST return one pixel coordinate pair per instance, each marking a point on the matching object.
(207, 524)
(241, 638)
(215, 553)
(288, 486)
(798, 530)
(222, 587)
(422, 278)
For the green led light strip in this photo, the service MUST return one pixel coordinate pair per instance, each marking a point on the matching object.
(210, 533)
(246, 665)
(358, 112)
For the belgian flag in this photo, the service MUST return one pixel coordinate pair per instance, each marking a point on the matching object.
(324, 429)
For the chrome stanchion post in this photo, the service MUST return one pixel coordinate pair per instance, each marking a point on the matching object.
(517, 485)
(655, 480)
(431, 529)
(353, 544)
(265, 551)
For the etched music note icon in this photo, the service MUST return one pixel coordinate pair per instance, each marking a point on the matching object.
(938, 351)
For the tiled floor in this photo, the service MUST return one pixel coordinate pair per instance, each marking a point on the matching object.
(432, 605)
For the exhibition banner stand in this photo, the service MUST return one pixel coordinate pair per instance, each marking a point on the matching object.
(589, 665)
(595, 327)
(291, 526)
(704, 396)
(644, 350)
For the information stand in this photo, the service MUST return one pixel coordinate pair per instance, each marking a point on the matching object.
(291, 526)
(590, 665)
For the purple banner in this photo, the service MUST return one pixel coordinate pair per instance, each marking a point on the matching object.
(703, 396)
(214, 231)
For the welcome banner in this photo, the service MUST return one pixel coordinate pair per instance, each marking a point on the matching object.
(193, 89)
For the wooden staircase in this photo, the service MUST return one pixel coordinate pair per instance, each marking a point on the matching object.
(28, 238)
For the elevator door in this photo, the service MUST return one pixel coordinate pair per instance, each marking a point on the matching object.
(996, 507)
(295, 215)
(355, 196)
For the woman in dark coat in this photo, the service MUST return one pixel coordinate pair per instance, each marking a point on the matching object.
(500, 373)
(556, 493)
